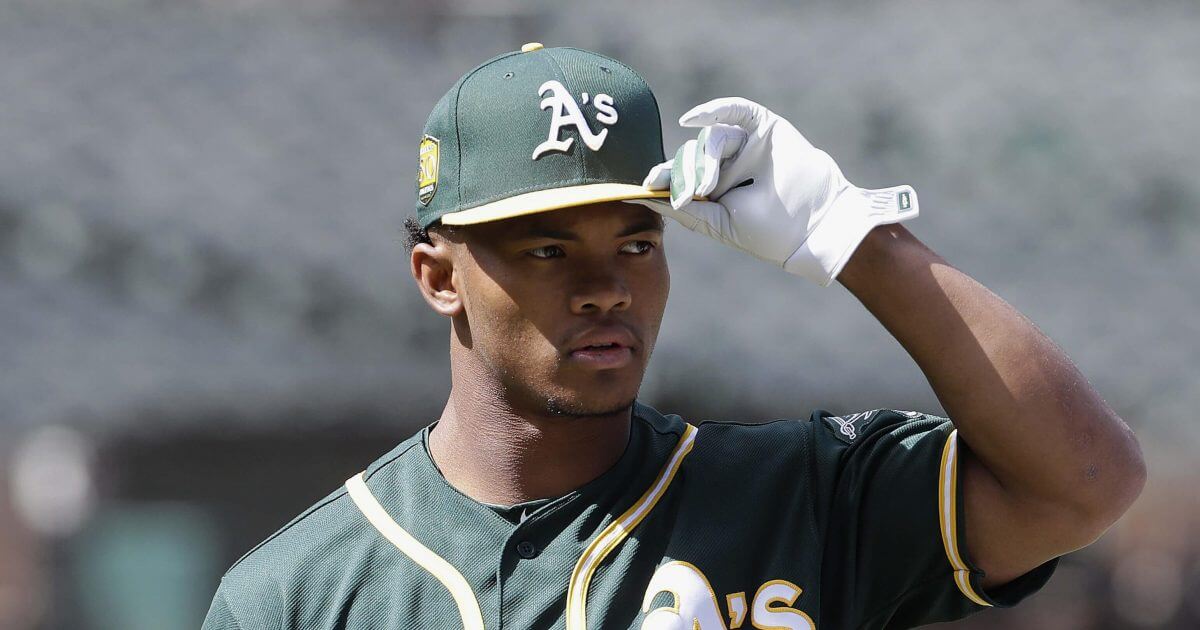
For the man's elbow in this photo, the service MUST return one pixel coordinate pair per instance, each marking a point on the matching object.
(1109, 488)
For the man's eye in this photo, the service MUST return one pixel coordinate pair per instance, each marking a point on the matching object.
(549, 251)
(637, 247)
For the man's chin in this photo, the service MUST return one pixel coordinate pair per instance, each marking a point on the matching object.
(588, 394)
(575, 408)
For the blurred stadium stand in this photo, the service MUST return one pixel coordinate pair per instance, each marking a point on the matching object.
(203, 291)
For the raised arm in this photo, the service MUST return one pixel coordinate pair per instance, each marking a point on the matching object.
(1050, 466)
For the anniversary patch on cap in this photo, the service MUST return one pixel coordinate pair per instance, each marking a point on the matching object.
(537, 130)
(427, 169)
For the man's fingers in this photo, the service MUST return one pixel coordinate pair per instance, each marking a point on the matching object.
(696, 168)
(664, 208)
(702, 217)
(715, 144)
(659, 177)
(729, 110)
(708, 218)
(724, 141)
(683, 175)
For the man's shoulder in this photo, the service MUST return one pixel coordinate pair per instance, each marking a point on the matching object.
(299, 538)
(731, 433)
(821, 439)
(728, 447)
(846, 428)
(267, 581)
(314, 542)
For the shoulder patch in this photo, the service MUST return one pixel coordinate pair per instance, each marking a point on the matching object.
(848, 428)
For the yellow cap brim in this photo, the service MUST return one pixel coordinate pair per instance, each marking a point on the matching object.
(550, 199)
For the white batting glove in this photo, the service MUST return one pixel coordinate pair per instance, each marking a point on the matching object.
(753, 181)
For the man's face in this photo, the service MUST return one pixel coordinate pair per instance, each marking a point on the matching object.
(564, 306)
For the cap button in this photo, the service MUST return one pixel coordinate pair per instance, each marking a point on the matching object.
(531, 46)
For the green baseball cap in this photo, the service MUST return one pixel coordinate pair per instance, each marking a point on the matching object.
(537, 130)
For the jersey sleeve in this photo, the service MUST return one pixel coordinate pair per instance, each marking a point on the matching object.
(895, 555)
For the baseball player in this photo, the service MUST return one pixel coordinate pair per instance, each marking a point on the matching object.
(547, 496)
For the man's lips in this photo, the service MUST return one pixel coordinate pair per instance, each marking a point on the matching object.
(604, 347)
(606, 358)
(603, 337)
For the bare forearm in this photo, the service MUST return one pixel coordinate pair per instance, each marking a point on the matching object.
(1027, 413)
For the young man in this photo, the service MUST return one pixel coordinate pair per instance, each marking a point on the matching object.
(546, 496)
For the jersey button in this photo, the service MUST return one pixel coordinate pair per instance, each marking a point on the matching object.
(527, 550)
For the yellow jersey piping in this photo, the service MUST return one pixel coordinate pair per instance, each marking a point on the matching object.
(948, 518)
(618, 530)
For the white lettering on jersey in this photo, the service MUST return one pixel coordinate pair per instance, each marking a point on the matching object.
(764, 615)
(735, 603)
(566, 113)
(695, 605)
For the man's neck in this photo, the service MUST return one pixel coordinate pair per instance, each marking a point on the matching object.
(496, 454)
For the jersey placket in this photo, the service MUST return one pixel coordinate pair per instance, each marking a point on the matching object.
(529, 572)
(540, 555)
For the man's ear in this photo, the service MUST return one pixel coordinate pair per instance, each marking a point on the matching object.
(433, 269)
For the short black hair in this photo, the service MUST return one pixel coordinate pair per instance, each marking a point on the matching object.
(414, 233)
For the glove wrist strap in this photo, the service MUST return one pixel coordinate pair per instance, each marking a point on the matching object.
(846, 223)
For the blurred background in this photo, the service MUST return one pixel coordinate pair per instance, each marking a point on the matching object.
(207, 322)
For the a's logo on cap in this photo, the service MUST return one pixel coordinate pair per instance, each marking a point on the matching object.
(427, 169)
(566, 113)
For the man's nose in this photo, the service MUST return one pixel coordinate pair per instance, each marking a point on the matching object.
(600, 293)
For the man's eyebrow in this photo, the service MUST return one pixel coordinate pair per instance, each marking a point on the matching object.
(539, 231)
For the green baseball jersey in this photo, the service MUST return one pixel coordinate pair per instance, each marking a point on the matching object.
(831, 522)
